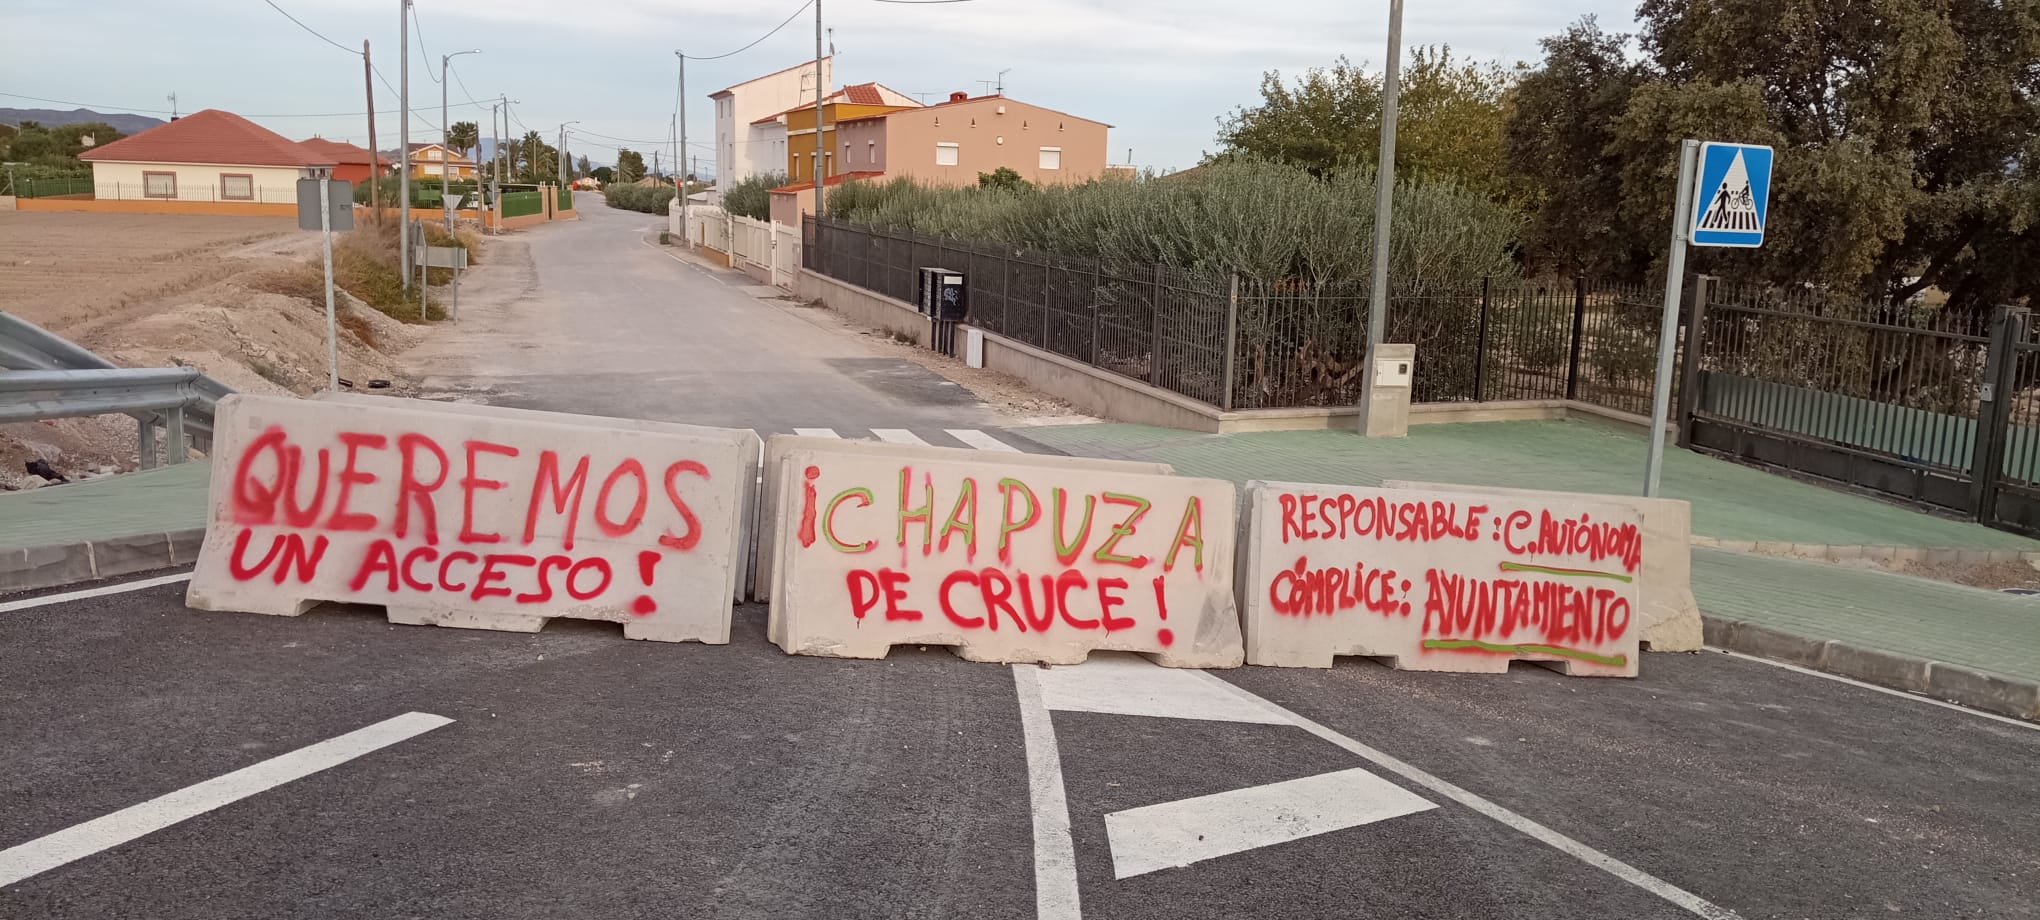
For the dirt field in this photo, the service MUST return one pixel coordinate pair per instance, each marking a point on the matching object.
(161, 290)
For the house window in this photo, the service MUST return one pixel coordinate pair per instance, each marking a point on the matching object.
(237, 186)
(871, 151)
(1051, 158)
(945, 154)
(159, 185)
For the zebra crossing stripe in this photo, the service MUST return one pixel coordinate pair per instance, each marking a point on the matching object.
(981, 440)
(898, 436)
(818, 433)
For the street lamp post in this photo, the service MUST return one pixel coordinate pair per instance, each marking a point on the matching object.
(561, 166)
(446, 138)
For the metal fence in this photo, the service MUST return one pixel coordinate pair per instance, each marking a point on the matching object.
(51, 188)
(1245, 344)
(522, 204)
(187, 191)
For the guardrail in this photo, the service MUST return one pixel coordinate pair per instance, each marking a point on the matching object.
(27, 350)
(149, 393)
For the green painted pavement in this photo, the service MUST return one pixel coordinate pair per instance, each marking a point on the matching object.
(157, 501)
(1730, 501)
(1972, 627)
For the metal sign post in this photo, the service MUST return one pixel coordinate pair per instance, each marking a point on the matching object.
(335, 211)
(1668, 327)
(1726, 204)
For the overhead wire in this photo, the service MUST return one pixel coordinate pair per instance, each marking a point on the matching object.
(754, 42)
(301, 25)
(419, 31)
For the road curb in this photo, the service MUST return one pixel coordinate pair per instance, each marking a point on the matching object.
(1852, 552)
(35, 567)
(1982, 690)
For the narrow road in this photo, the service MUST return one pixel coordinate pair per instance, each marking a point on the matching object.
(618, 325)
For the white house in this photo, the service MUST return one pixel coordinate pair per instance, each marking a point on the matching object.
(737, 153)
(208, 155)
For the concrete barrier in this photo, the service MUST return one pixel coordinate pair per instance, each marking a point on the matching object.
(747, 440)
(1670, 616)
(1004, 561)
(1439, 581)
(489, 520)
(777, 447)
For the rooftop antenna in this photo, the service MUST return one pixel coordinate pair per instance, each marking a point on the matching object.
(172, 99)
(986, 84)
(1002, 80)
(832, 42)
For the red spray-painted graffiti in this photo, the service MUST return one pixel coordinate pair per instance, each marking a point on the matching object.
(1549, 593)
(1101, 542)
(307, 502)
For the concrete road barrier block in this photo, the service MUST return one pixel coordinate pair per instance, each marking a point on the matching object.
(1439, 581)
(1670, 614)
(777, 446)
(750, 510)
(489, 520)
(1005, 561)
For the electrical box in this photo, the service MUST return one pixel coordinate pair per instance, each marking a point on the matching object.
(1392, 372)
(949, 297)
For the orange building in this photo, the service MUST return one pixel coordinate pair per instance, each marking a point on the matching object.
(951, 142)
(855, 101)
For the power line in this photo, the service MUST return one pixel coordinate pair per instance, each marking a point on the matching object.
(754, 43)
(301, 25)
(419, 31)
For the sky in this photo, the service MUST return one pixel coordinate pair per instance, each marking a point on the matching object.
(1161, 73)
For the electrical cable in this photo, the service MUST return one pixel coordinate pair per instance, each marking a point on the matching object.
(301, 25)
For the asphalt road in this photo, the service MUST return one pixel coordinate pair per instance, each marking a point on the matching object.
(582, 775)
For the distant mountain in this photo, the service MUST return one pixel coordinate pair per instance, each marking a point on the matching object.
(121, 121)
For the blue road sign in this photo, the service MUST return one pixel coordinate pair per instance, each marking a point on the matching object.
(1733, 196)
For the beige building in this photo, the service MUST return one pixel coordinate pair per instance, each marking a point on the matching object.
(950, 143)
(207, 156)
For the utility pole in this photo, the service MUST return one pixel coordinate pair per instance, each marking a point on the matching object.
(404, 139)
(446, 140)
(1384, 200)
(680, 152)
(374, 156)
(818, 109)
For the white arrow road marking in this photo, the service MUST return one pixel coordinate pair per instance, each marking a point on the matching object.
(1129, 685)
(74, 843)
(1175, 834)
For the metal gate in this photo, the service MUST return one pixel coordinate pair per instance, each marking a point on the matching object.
(1909, 401)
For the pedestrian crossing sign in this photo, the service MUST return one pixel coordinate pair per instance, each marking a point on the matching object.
(1733, 196)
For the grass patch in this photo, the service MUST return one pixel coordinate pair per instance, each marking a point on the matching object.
(269, 372)
(366, 265)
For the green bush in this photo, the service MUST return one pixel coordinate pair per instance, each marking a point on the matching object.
(752, 197)
(651, 199)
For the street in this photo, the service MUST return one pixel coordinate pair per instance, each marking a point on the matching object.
(581, 775)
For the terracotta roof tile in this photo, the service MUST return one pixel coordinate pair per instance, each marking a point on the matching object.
(210, 136)
(341, 152)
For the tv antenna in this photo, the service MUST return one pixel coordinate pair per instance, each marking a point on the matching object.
(172, 99)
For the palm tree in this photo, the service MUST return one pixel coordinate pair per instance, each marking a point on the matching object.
(463, 136)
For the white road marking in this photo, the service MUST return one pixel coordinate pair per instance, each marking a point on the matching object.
(1679, 897)
(818, 433)
(1887, 691)
(1128, 685)
(898, 436)
(1175, 834)
(980, 440)
(73, 843)
(1055, 855)
(100, 591)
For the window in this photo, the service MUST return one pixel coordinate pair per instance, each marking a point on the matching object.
(159, 185)
(1051, 158)
(945, 154)
(237, 186)
(871, 151)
